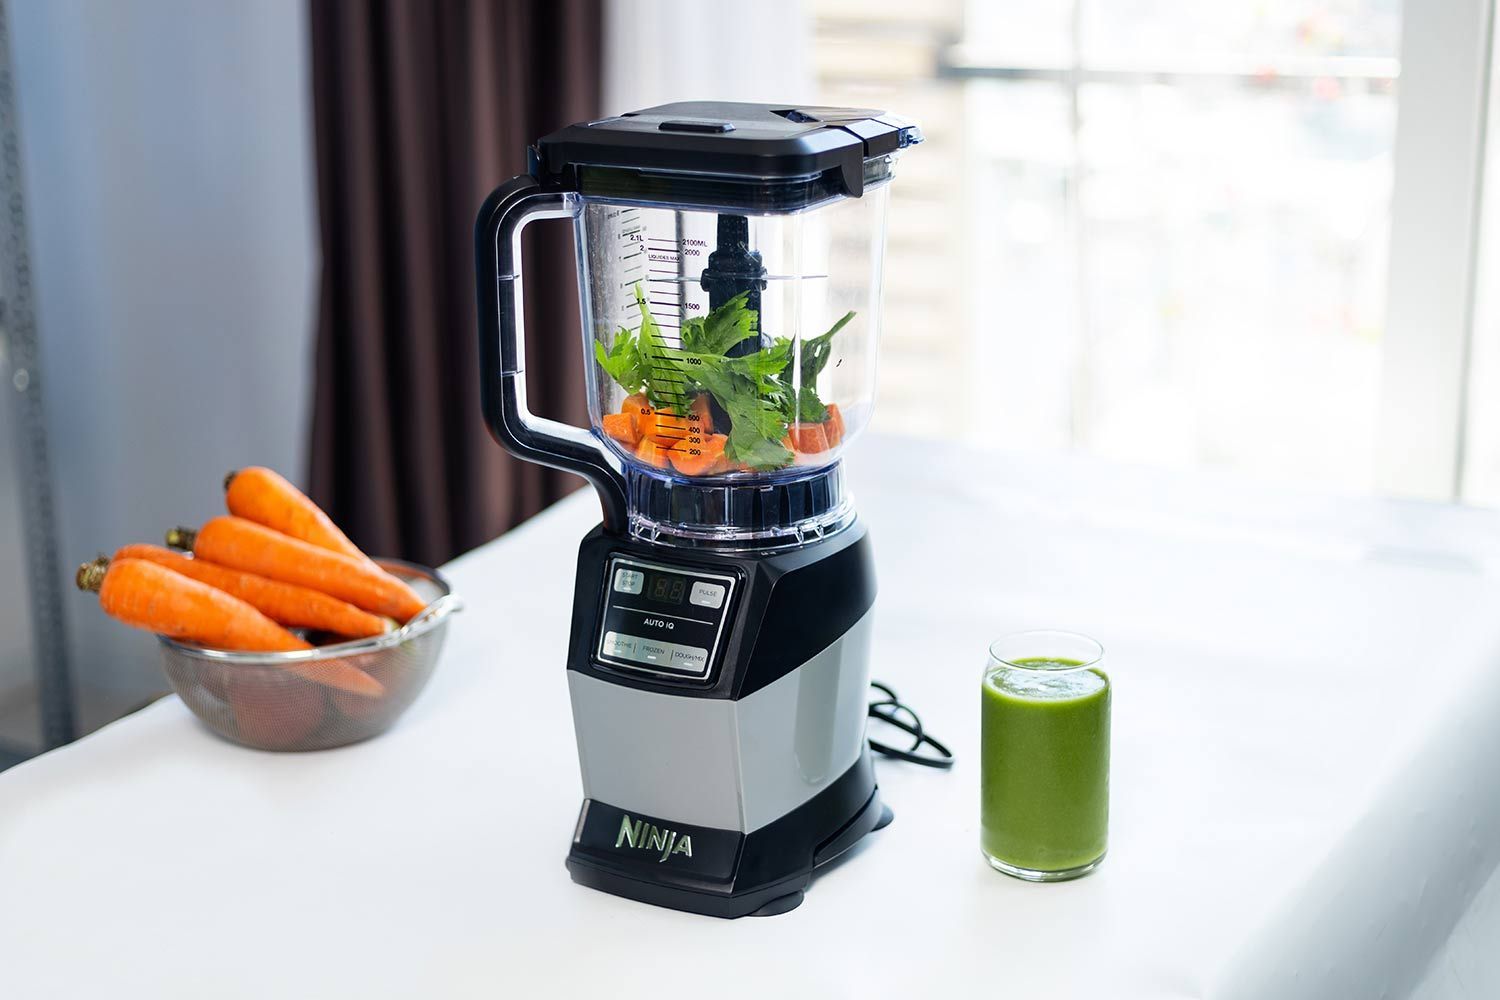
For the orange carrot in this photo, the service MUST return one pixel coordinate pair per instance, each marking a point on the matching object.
(273, 715)
(260, 495)
(651, 453)
(621, 427)
(284, 603)
(153, 597)
(808, 438)
(254, 548)
(706, 460)
(833, 426)
(149, 596)
(701, 416)
(635, 407)
(647, 426)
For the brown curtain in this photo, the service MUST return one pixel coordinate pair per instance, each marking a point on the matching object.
(421, 109)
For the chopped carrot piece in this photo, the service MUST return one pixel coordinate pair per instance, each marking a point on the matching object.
(833, 426)
(621, 427)
(637, 406)
(701, 416)
(645, 426)
(672, 431)
(701, 459)
(651, 453)
(808, 438)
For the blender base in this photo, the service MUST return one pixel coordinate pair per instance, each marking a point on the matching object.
(762, 873)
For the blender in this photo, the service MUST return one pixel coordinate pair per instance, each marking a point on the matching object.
(729, 269)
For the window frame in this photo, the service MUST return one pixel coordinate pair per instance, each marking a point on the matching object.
(1443, 101)
(1431, 278)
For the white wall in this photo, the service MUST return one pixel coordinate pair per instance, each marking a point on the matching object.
(660, 51)
(169, 169)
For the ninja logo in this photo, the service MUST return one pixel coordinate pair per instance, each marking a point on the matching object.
(642, 836)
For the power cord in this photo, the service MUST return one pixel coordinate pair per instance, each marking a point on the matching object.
(888, 710)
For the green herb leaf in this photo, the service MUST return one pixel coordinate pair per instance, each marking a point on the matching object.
(727, 326)
(622, 361)
(815, 353)
(757, 452)
(660, 363)
(755, 390)
(809, 409)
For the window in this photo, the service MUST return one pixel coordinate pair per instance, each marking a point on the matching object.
(1161, 233)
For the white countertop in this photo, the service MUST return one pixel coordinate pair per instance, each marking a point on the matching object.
(1306, 780)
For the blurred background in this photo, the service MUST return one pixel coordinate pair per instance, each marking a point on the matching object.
(1246, 236)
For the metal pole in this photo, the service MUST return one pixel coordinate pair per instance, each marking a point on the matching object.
(33, 470)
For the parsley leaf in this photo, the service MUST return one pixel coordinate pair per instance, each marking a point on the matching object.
(660, 368)
(724, 328)
(803, 404)
(756, 390)
(622, 361)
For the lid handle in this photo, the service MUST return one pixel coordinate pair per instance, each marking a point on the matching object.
(696, 125)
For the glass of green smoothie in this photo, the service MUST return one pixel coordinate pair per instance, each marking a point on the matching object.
(1044, 756)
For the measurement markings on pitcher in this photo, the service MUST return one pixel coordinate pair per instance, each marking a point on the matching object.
(676, 426)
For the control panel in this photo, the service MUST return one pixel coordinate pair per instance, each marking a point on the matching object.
(661, 619)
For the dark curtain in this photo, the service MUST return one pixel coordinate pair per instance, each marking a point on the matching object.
(421, 109)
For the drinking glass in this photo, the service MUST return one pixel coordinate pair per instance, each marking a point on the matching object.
(1044, 756)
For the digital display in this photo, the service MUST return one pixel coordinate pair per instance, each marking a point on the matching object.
(666, 589)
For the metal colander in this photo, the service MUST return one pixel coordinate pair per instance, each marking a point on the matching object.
(251, 698)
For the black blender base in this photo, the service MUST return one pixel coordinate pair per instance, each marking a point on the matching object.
(753, 886)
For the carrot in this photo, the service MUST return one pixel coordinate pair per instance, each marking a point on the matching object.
(701, 416)
(272, 715)
(808, 438)
(621, 427)
(637, 406)
(260, 495)
(254, 548)
(149, 596)
(283, 603)
(153, 597)
(833, 426)
(651, 453)
(648, 426)
(705, 461)
(664, 427)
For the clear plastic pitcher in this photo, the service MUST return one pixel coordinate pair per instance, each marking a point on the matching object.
(730, 263)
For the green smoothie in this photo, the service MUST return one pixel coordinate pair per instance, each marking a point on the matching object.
(1044, 776)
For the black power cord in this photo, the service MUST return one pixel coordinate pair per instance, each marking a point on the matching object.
(888, 710)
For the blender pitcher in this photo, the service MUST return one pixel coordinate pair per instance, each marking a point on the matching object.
(729, 268)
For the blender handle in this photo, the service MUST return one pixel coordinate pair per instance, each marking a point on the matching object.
(502, 347)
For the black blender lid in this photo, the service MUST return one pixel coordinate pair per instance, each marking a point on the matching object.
(774, 145)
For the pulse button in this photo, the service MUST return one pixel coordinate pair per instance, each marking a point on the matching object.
(707, 595)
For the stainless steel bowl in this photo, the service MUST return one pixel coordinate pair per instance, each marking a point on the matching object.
(251, 698)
